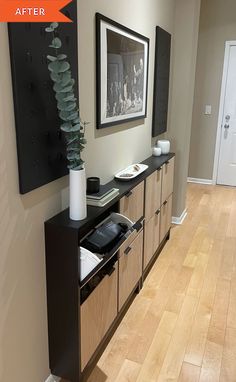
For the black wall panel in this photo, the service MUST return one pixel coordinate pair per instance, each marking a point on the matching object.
(40, 143)
(161, 82)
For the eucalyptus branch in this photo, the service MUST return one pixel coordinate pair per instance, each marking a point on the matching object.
(67, 103)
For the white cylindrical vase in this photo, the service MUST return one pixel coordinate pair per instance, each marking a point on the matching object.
(78, 206)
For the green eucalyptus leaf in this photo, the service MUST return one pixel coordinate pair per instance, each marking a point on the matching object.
(54, 66)
(51, 58)
(74, 147)
(64, 66)
(77, 120)
(66, 127)
(59, 97)
(64, 115)
(49, 29)
(67, 106)
(54, 25)
(73, 156)
(70, 98)
(72, 140)
(75, 128)
(66, 89)
(71, 106)
(55, 77)
(61, 57)
(72, 116)
(62, 105)
(57, 87)
(66, 78)
(56, 43)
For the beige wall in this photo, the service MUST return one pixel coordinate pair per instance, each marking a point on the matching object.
(217, 25)
(109, 150)
(23, 325)
(183, 76)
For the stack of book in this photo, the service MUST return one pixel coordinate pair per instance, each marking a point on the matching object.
(104, 196)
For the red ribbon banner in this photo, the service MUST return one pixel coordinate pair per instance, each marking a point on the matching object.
(33, 11)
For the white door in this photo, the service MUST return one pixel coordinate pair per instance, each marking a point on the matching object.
(227, 157)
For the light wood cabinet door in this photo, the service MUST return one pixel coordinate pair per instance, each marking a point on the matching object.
(151, 237)
(130, 268)
(166, 217)
(97, 315)
(132, 204)
(167, 179)
(153, 193)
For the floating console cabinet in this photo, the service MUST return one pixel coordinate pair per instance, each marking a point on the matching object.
(83, 315)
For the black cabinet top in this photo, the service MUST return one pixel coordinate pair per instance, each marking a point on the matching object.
(94, 213)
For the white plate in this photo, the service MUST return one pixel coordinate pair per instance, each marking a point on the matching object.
(130, 170)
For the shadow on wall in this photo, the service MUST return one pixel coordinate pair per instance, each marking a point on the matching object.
(99, 133)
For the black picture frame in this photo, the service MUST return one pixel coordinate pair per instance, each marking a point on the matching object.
(161, 82)
(121, 94)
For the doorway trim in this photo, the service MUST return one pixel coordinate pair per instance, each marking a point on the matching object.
(228, 44)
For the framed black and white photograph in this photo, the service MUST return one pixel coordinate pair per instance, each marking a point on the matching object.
(122, 73)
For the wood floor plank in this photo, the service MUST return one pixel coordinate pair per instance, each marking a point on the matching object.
(211, 366)
(196, 346)
(231, 317)
(148, 327)
(157, 351)
(128, 372)
(228, 368)
(197, 279)
(221, 303)
(227, 265)
(189, 373)
(174, 358)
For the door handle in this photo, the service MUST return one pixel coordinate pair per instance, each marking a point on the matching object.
(126, 252)
(157, 212)
(110, 271)
(128, 194)
(226, 126)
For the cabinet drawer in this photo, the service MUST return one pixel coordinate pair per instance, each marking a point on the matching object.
(166, 215)
(130, 268)
(97, 315)
(167, 179)
(131, 205)
(151, 237)
(153, 193)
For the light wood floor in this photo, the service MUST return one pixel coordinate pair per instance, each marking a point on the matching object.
(182, 325)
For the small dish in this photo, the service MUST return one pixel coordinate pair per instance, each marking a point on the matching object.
(131, 172)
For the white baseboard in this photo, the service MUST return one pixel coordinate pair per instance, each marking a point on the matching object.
(200, 181)
(52, 378)
(179, 220)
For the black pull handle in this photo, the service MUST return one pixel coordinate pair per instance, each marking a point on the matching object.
(157, 212)
(128, 194)
(138, 226)
(167, 162)
(127, 251)
(165, 202)
(110, 271)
